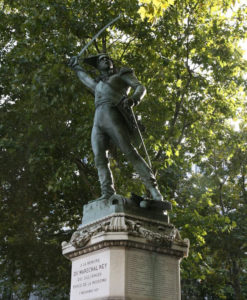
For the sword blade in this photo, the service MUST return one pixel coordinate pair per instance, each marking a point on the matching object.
(98, 34)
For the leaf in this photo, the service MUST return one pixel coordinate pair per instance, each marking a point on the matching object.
(179, 83)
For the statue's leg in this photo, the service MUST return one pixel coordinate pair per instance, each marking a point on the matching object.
(119, 134)
(145, 173)
(100, 150)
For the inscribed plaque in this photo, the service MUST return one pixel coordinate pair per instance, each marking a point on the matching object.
(90, 276)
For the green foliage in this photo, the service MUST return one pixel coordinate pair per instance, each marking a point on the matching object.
(192, 66)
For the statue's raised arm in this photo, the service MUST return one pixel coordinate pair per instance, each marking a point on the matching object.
(88, 81)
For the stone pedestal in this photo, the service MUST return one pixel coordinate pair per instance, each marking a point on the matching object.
(122, 251)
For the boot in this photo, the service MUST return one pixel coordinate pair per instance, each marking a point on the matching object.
(145, 173)
(156, 195)
(106, 182)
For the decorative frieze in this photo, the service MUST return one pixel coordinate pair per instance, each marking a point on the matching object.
(133, 232)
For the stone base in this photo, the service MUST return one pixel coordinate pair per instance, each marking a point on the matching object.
(125, 256)
(155, 210)
(125, 272)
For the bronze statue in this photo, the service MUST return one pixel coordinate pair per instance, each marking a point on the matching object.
(110, 88)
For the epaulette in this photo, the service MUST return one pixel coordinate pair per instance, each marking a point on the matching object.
(125, 70)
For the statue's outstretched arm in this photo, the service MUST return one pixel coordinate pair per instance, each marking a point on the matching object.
(83, 76)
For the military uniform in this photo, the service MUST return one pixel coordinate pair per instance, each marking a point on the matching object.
(109, 124)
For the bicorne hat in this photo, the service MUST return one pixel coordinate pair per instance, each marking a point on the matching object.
(93, 59)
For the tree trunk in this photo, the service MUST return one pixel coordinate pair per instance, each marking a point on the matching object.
(235, 272)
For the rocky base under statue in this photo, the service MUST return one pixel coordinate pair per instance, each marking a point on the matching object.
(124, 251)
(134, 205)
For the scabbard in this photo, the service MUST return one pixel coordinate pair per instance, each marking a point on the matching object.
(127, 115)
(134, 132)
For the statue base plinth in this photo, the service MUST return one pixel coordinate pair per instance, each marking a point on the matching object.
(95, 210)
(125, 254)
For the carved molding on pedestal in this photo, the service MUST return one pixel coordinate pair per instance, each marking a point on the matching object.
(158, 235)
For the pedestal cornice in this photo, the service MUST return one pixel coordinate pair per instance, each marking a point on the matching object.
(120, 229)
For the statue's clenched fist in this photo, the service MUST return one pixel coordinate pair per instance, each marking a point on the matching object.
(128, 102)
(73, 62)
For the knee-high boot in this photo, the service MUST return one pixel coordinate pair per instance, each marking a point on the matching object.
(145, 173)
(106, 181)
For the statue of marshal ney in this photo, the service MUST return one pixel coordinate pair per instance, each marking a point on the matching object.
(110, 88)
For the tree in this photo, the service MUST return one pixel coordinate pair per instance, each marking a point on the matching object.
(193, 69)
(214, 202)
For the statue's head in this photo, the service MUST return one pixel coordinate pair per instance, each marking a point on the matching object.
(102, 62)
